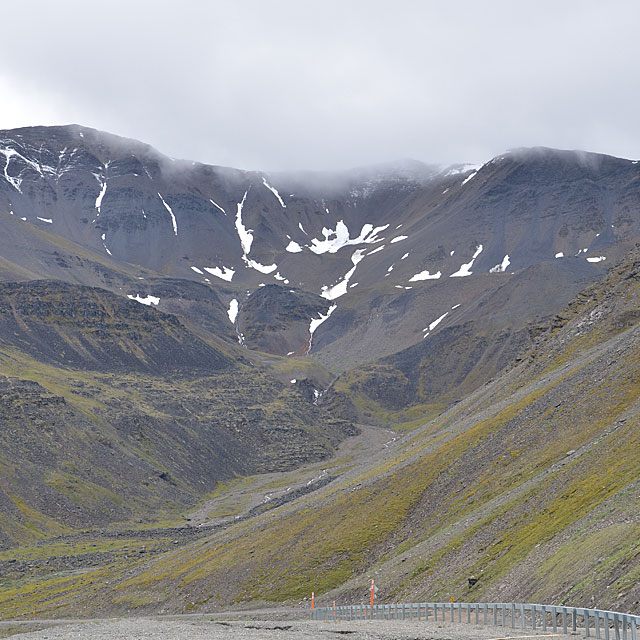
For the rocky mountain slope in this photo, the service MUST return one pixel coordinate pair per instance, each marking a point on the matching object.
(168, 326)
(528, 484)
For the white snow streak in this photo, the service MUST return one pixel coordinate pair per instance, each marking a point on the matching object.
(149, 300)
(215, 204)
(559, 254)
(435, 323)
(198, 270)
(469, 178)
(465, 269)
(406, 255)
(425, 275)
(8, 154)
(398, 239)
(502, 267)
(246, 238)
(339, 289)
(47, 220)
(233, 311)
(275, 192)
(225, 273)
(302, 228)
(316, 322)
(103, 190)
(173, 218)
(380, 248)
(598, 259)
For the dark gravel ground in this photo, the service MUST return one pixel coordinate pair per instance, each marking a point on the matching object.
(219, 629)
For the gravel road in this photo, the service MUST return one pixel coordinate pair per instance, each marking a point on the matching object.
(211, 629)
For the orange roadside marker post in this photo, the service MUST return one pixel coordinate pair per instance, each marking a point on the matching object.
(372, 591)
(313, 600)
(334, 607)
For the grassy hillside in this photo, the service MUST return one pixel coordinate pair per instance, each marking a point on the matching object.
(115, 412)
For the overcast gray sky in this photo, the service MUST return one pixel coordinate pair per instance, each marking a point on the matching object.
(291, 84)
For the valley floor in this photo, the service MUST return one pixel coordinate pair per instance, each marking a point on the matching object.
(195, 628)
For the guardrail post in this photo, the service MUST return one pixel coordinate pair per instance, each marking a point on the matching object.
(534, 622)
(495, 614)
(587, 623)
(596, 617)
(555, 620)
(544, 618)
(574, 622)
(606, 625)
(616, 625)
(469, 613)
(625, 624)
(634, 620)
(564, 620)
(523, 619)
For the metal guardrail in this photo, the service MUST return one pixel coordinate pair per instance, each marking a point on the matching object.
(596, 623)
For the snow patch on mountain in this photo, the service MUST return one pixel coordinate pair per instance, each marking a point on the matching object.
(335, 239)
(473, 175)
(47, 220)
(339, 289)
(316, 322)
(436, 322)
(293, 247)
(148, 300)
(224, 273)
(465, 269)
(197, 270)
(245, 235)
(275, 192)
(103, 190)
(173, 218)
(8, 154)
(262, 268)
(398, 239)
(232, 312)
(215, 204)
(502, 267)
(425, 275)
(596, 259)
